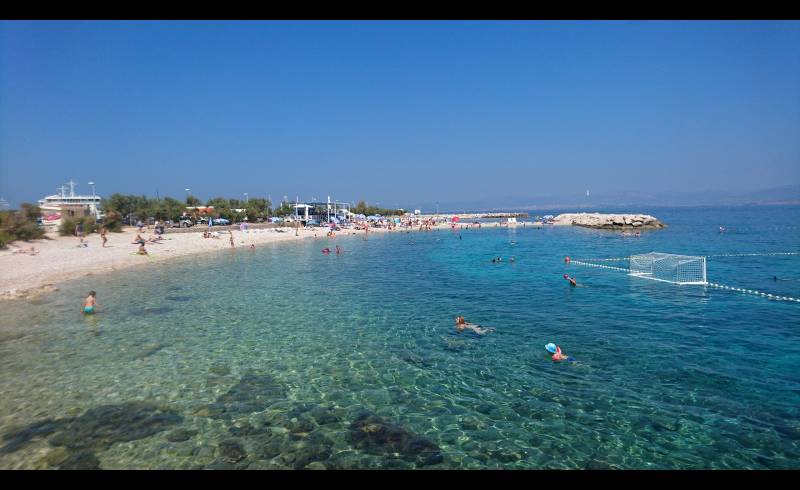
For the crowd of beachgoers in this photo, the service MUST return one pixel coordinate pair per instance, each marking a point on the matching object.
(27, 269)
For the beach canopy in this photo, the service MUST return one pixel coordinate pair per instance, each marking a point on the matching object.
(456, 219)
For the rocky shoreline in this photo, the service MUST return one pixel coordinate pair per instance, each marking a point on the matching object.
(610, 221)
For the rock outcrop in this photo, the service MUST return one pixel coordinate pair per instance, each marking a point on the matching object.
(610, 221)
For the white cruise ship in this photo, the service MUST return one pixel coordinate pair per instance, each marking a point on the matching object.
(52, 204)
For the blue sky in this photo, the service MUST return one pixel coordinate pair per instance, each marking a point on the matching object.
(398, 112)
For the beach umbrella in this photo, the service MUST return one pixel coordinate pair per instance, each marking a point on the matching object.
(456, 219)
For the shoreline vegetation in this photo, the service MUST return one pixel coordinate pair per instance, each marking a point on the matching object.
(52, 257)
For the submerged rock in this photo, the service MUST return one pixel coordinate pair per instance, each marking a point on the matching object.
(181, 435)
(378, 435)
(149, 350)
(98, 428)
(231, 451)
(253, 393)
(219, 369)
(82, 460)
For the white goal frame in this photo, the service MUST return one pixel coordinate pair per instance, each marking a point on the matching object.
(675, 269)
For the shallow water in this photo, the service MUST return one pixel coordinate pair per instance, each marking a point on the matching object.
(286, 358)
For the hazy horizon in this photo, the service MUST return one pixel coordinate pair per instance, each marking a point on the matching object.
(400, 113)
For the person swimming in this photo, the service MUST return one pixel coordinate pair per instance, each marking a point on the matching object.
(326, 250)
(461, 325)
(557, 354)
(572, 281)
(90, 303)
(338, 250)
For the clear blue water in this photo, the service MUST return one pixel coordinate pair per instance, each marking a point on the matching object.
(273, 358)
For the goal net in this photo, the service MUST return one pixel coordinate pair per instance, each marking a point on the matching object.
(677, 269)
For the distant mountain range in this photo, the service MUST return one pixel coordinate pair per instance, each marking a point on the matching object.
(788, 194)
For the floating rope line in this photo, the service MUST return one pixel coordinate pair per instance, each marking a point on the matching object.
(757, 254)
(775, 297)
(601, 266)
(754, 254)
(753, 291)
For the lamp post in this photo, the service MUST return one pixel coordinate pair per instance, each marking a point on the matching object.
(94, 204)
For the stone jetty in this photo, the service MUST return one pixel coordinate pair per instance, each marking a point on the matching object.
(610, 221)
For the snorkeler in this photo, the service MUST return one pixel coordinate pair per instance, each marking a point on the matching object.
(461, 325)
(571, 280)
(557, 354)
(90, 303)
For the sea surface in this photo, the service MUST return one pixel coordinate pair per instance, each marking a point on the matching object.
(284, 357)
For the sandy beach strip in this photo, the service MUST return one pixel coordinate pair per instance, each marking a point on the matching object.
(60, 258)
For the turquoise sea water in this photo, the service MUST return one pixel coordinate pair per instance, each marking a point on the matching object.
(286, 358)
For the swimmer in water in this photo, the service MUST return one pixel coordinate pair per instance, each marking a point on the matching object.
(461, 325)
(511, 259)
(571, 280)
(90, 303)
(326, 250)
(557, 354)
(252, 246)
(338, 250)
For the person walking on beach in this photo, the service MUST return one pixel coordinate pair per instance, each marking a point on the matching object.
(103, 233)
(232, 244)
(79, 232)
(142, 250)
(140, 225)
(90, 303)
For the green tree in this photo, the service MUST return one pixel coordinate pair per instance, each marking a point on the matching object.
(193, 201)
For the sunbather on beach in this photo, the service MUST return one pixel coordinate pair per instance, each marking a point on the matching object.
(90, 303)
(461, 325)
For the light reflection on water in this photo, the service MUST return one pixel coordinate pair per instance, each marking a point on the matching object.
(268, 358)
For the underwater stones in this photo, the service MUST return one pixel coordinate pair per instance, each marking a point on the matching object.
(378, 435)
(100, 427)
(158, 310)
(324, 415)
(97, 429)
(149, 349)
(414, 359)
(231, 451)
(82, 460)
(302, 424)
(219, 369)
(56, 456)
(180, 435)
(253, 393)
(179, 298)
(315, 465)
(19, 437)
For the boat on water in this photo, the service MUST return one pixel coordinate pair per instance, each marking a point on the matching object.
(61, 204)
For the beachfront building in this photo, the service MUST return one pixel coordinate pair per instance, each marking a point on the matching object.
(322, 212)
